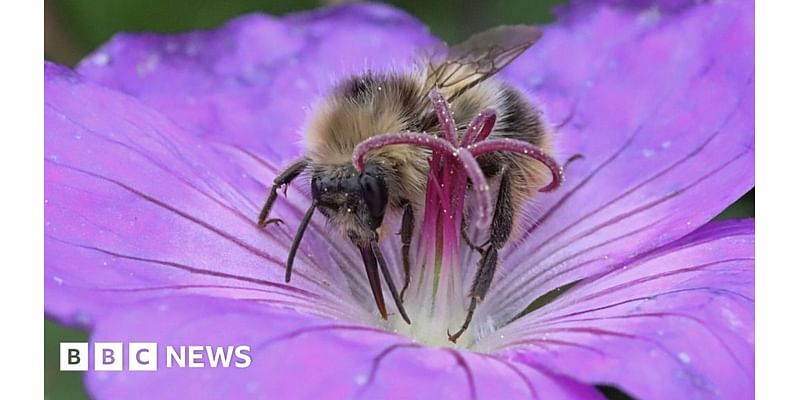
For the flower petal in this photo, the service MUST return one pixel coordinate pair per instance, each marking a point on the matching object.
(137, 208)
(296, 356)
(251, 81)
(663, 113)
(678, 323)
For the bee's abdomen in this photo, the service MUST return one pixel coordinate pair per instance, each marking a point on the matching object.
(520, 120)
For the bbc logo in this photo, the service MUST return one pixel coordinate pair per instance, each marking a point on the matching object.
(143, 356)
(108, 356)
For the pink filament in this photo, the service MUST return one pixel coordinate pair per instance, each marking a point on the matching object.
(518, 146)
(479, 128)
(479, 185)
(418, 139)
(437, 187)
(445, 116)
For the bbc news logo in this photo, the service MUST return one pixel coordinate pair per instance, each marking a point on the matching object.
(110, 356)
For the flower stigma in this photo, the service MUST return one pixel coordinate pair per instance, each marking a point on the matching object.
(437, 298)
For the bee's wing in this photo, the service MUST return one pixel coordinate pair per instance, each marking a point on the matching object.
(461, 67)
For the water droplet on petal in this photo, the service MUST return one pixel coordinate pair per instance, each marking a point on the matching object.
(101, 59)
(361, 379)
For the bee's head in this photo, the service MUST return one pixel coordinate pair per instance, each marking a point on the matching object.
(355, 202)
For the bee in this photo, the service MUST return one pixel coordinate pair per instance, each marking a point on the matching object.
(394, 177)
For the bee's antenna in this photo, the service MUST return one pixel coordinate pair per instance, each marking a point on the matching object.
(389, 281)
(301, 230)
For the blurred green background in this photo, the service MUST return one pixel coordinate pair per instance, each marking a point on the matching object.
(74, 27)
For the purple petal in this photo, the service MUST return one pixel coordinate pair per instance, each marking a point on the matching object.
(251, 81)
(137, 208)
(141, 208)
(296, 356)
(675, 324)
(662, 112)
(649, 9)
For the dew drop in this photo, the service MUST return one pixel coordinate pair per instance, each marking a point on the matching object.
(684, 357)
(148, 65)
(361, 379)
(101, 59)
(58, 279)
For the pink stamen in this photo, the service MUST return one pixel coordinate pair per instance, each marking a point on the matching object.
(479, 128)
(437, 188)
(518, 146)
(418, 139)
(479, 185)
(445, 116)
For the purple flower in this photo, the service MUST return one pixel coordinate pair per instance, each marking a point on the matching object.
(158, 150)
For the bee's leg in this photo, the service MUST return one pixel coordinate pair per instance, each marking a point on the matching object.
(298, 237)
(470, 243)
(406, 229)
(500, 231)
(284, 178)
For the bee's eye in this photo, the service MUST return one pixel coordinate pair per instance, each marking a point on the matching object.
(375, 195)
